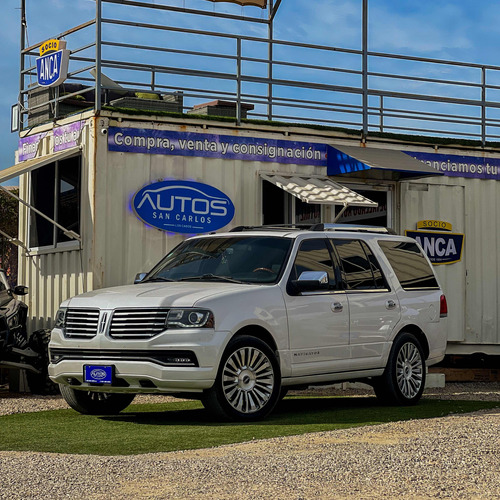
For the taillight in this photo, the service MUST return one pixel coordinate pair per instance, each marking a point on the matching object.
(443, 307)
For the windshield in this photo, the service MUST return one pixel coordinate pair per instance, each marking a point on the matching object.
(250, 259)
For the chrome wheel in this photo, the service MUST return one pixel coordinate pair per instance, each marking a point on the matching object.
(248, 380)
(409, 370)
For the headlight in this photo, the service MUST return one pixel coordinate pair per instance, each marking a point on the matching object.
(60, 317)
(190, 318)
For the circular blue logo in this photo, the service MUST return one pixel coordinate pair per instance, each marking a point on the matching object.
(98, 374)
(183, 207)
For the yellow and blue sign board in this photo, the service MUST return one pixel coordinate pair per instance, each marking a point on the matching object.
(52, 65)
(438, 242)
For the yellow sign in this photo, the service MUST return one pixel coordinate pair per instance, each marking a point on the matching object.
(436, 225)
(52, 46)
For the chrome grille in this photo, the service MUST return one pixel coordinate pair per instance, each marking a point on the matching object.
(137, 323)
(81, 323)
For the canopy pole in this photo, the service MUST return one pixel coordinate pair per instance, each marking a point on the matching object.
(15, 241)
(344, 208)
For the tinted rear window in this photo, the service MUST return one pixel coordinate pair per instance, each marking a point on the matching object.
(411, 267)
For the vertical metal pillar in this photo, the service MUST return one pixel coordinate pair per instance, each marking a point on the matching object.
(381, 124)
(270, 34)
(98, 39)
(238, 81)
(365, 68)
(20, 98)
(483, 106)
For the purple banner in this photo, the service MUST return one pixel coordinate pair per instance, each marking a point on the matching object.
(166, 142)
(28, 146)
(67, 136)
(461, 166)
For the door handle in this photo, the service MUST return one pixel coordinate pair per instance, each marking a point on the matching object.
(337, 307)
(390, 304)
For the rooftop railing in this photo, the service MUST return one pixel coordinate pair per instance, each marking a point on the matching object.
(130, 60)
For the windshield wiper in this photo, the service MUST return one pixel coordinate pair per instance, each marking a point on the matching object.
(158, 278)
(210, 277)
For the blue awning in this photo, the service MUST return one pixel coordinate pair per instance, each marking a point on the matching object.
(394, 164)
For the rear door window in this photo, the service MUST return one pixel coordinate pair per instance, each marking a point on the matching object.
(360, 267)
(410, 265)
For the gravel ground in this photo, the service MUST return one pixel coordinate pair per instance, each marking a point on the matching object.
(455, 457)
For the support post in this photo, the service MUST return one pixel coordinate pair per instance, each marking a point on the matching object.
(98, 40)
(270, 34)
(365, 68)
(238, 81)
(20, 98)
(483, 106)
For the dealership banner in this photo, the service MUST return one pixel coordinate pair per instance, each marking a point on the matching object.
(27, 148)
(67, 136)
(167, 142)
(476, 167)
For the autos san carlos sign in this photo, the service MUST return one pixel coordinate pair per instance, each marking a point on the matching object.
(181, 206)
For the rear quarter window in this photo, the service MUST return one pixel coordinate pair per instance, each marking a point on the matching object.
(409, 264)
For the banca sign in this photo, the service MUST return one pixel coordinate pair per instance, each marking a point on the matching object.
(442, 247)
(52, 65)
(183, 207)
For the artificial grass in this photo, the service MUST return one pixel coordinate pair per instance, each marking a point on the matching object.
(149, 428)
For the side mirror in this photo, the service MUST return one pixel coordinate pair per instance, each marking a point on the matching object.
(20, 290)
(139, 277)
(311, 281)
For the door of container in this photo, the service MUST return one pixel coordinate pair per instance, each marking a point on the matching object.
(422, 201)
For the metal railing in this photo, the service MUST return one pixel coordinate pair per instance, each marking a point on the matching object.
(265, 79)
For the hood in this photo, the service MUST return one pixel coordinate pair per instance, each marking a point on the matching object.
(183, 294)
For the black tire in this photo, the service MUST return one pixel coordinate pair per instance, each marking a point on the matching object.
(403, 380)
(95, 403)
(40, 383)
(283, 393)
(248, 381)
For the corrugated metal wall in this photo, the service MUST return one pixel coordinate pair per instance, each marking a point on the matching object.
(117, 245)
(55, 275)
(124, 244)
(472, 286)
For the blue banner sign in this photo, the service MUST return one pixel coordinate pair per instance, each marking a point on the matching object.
(476, 167)
(166, 142)
(440, 247)
(183, 207)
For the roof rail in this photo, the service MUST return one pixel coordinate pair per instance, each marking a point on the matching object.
(360, 228)
(316, 227)
(273, 227)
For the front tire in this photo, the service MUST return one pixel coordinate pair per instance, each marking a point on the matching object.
(403, 380)
(248, 382)
(95, 403)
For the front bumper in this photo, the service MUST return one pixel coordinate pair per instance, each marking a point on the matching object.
(168, 363)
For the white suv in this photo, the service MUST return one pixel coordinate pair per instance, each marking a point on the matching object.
(236, 319)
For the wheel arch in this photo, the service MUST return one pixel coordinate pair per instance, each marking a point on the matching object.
(419, 334)
(260, 333)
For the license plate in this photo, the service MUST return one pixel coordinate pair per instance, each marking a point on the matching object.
(96, 374)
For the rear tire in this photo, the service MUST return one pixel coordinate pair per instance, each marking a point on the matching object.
(403, 380)
(248, 382)
(95, 403)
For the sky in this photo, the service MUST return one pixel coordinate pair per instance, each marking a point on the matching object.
(460, 30)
